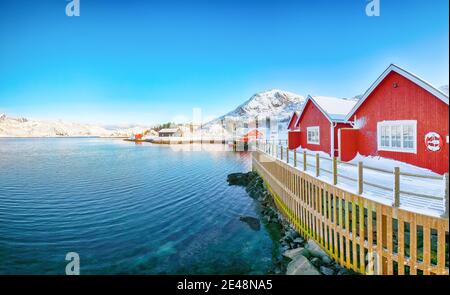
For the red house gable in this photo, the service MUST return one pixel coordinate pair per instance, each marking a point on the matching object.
(403, 118)
(312, 119)
(293, 121)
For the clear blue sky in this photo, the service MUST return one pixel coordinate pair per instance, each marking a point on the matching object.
(152, 61)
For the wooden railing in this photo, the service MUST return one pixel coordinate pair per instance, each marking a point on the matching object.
(358, 233)
(304, 160)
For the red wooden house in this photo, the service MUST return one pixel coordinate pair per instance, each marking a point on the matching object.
(318, 124)
(400, 117)
(293, 131)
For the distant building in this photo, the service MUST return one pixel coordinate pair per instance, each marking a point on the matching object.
(170, 132)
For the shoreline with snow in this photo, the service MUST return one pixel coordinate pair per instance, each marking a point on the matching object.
(75, 136)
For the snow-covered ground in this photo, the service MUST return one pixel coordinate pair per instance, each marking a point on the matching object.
(378, 185)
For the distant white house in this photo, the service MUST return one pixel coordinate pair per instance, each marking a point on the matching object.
(170, 132)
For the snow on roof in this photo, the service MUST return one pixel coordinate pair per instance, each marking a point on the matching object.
(336, 108)
(169, 130)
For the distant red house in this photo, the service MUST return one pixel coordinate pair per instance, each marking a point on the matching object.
(401, 117)
(253, 134)
(293, 121)
(293, 131)
(318, 124)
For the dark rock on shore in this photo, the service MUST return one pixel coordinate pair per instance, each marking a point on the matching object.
(241, 179)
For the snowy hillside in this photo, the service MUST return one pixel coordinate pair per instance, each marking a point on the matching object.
(272, 103)
(22, 127)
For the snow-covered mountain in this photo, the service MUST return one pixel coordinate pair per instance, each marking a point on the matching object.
(273, 103)
(22, 127)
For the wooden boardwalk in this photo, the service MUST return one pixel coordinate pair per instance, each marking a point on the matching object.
(360, 234)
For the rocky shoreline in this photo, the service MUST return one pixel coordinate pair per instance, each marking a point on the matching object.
(295, 255)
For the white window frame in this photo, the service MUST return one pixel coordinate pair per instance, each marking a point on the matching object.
(401, 124)
(313, 129)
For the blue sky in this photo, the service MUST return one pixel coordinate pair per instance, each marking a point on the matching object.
(145, 62)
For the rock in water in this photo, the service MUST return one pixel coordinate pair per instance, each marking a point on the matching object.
(301, 266)
(242, 179)
(251, 221)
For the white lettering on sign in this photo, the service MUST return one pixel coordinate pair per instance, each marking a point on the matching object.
(433, 141)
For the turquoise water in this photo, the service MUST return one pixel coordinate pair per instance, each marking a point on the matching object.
(125, 209)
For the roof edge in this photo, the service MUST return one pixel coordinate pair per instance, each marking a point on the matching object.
(408, 75)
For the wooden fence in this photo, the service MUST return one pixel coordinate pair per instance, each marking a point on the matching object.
(281, 152)
(359, 234)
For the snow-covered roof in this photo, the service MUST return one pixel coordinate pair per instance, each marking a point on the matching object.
(169, 130)
(335, 109)
(414, 78)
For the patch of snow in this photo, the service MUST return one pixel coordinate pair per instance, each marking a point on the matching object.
(336, 108)
(360, 123)
(389, 164)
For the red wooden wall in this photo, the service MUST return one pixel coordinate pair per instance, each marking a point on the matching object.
(348, 143)
(312, 116)
(408, 101)
(336, 139)
(294, 139)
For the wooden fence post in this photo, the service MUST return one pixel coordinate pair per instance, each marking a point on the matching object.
(317, 165)
(445, 215)
(396, 192)
(295, 158)
(335, 174)
(304, 160)
(360, 178)
(287, 155)
(281, 152)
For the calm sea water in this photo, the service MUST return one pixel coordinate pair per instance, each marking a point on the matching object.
(125, 209)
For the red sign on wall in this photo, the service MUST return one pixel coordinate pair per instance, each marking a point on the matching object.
(433, 142)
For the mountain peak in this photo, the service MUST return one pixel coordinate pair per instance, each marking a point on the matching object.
(273, 102)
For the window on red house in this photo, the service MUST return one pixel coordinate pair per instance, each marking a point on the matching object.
(397, 136)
